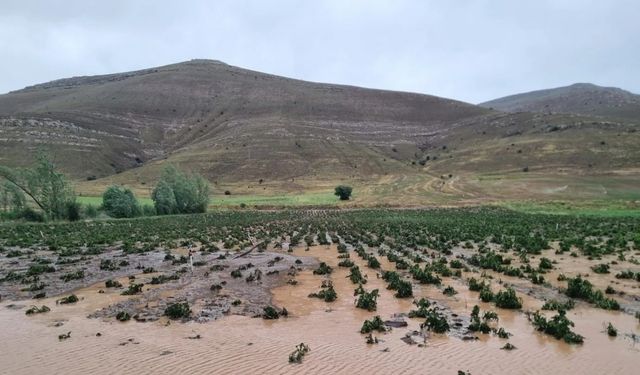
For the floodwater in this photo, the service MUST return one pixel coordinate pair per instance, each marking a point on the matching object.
(242, 345)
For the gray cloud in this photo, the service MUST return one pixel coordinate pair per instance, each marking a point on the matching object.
(468, 50)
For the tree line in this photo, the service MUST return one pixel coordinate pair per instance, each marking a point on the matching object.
(41, 192)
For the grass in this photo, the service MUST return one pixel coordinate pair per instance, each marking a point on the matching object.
(603, 208)
(218, 201)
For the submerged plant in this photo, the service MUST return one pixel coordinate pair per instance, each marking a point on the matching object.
(298, 354)
(375, 324)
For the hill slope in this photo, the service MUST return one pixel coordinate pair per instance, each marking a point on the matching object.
(260, 133)
(579, 98)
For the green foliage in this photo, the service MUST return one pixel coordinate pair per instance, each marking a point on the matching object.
(37, 310)
(367, 300)
(328, 293)
(356, 276)
(402, 287)
(611, 330)
(323, 269)
(178, 310)
(600, 268)
(476, 286)
(112, 284)
(123, 316)
(449, 291)
(435, 321)
(556, 305)
(344, 192)
(45, 185)
(120, 202)
(133, 289)
(486, 295)
(559, 327)
(478, 325)
(507, 299)
(375, 324)
(583, 289)
(270, 313)
(179, 193)
(69, 299)
(423, 309)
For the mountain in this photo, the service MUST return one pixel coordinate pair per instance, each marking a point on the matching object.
(579, 98)
(258, 133)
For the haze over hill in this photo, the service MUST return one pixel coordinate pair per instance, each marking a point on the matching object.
(579, 98)
(242, 127)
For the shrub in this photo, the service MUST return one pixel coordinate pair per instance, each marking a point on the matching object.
(367, 300)
(507, 299)
(423, 309)
(69, 299)
(583, 289)
(270, 313)
(559, 327)
(120, 202)
(356, 276)
(123, 316)
(328, 294)
(449, 291)
(37, 310)
(343, 191)
(133, 289)
(375, 324)
(435, 321)
(178, 193)
(486, 295)
(323, 269)
(179, 310)
(600, 268)
(556, 305)
(112, 284)
(611, 330)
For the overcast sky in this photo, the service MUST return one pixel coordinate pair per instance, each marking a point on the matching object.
(468, 50)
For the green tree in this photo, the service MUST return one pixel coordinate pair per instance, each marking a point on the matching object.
(12, 199)
(179, 193)
(120, 202)
(45, 185)
(344, 192)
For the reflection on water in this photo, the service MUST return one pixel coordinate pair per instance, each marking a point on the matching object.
(238, 344)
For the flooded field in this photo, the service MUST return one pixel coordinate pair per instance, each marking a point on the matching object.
(240, 344)
(482, 291)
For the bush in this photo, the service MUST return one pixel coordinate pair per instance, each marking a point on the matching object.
(178, 310)
(507, 299)
(69, 299)
(367, 300)
(178, 193)
(375, 324)
(435, 321)
(73, 209)
(356, 276)
(583, 289)
(123, 316)
(90, 211)
(344, 192)
(328, 294)
(323, 269)
(559, 327)
(120, 202)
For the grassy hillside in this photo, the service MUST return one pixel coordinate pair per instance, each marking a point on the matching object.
(274, 140)
(580, 98)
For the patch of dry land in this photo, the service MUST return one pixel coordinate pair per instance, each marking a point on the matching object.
(263, 283)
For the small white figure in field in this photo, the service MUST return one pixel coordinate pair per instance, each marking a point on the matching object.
(191, 252)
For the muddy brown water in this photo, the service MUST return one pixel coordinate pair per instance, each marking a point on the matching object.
(241, 345)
